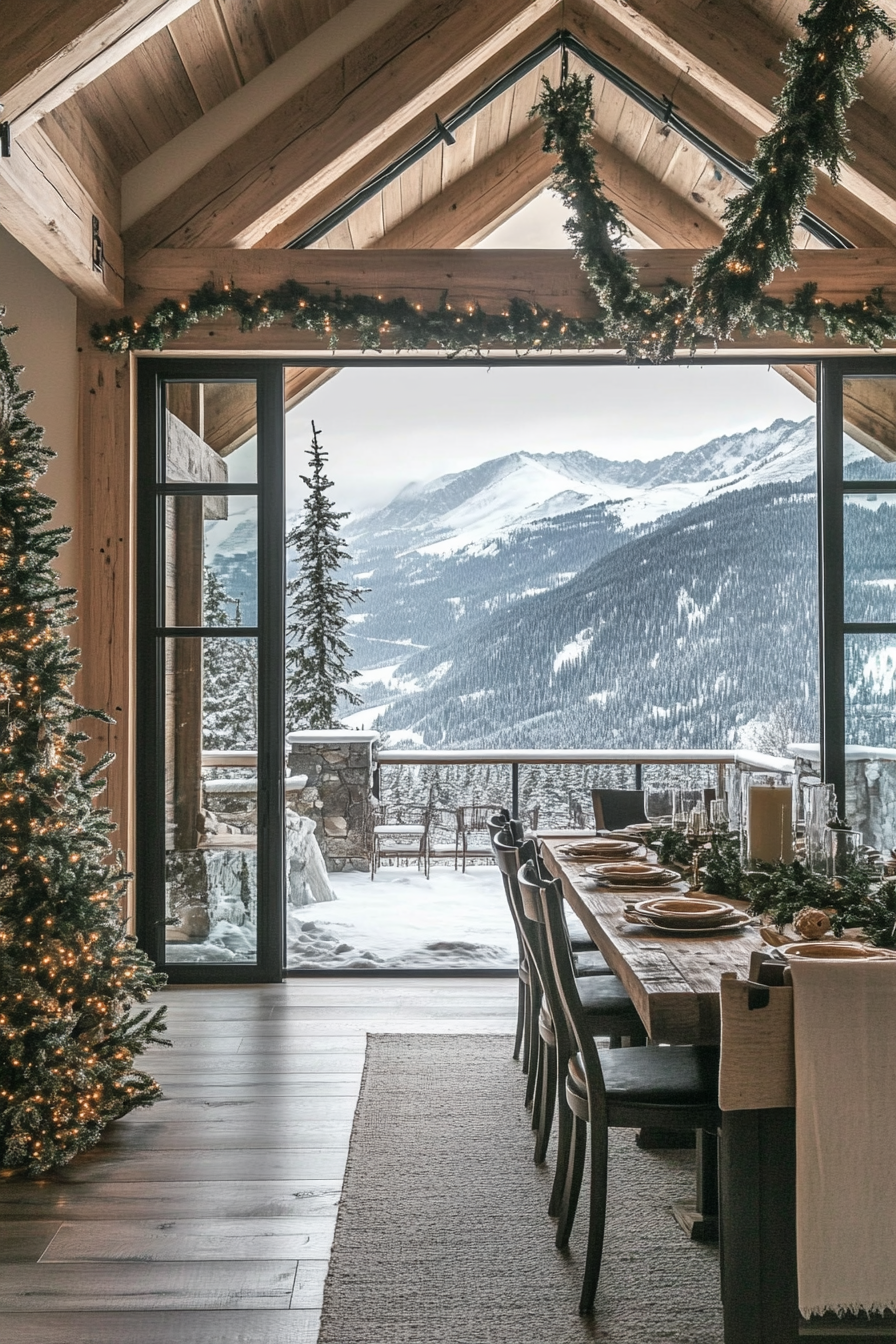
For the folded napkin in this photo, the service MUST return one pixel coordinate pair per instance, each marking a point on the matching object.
(844, 1018)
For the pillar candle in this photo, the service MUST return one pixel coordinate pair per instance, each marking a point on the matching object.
(770, 823)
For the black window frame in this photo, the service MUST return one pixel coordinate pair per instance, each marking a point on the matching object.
(268, 372)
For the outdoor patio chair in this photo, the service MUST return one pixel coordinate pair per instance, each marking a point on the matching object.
(472, 819)
(400, 831)
(616, 808)
(675, 1087)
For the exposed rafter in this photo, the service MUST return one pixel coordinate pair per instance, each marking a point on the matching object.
(733, 56)
(47, 207)
(51, 50)
(413, 65)
(602, 31)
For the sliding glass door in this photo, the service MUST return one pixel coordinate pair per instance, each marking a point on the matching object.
(210, 730)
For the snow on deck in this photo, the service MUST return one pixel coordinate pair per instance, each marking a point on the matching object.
(454, 920)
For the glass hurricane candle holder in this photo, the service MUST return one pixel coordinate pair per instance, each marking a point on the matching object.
(842, 848)
(718, 814)
(767, 813)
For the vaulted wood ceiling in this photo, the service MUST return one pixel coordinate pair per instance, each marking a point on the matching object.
(242, 123)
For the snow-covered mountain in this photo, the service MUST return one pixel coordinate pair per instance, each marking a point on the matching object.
(471, 510)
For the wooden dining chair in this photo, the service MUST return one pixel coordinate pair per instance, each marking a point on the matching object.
(610, 1014)
(673, 1087)
(611, 1008)
(496, 822)
(615, 809)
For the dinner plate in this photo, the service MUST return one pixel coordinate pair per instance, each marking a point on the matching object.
(650, 876)
(734, 924)
(597, 849)
(835, 950)
(685, 911)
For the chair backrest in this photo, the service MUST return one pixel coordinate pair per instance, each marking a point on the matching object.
(616, 808)
(550, 894)
(531, 879)
(510, 854)
(496, 823)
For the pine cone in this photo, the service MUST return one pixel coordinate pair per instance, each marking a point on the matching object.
(811, 923)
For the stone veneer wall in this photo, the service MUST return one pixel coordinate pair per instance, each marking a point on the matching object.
(339, 767)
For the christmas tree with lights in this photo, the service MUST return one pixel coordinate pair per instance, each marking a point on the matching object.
(69, 973)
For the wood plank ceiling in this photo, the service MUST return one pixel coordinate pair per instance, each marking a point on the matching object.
(717, 60)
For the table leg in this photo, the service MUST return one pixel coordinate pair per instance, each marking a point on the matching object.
(758, 1233)
(700, 1217)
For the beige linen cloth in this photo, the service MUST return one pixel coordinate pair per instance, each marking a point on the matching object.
(844, 1020)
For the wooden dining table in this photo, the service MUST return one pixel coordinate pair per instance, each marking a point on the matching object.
(674, 982)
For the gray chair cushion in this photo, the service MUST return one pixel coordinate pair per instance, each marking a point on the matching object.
(590, 963)
(675, 1075)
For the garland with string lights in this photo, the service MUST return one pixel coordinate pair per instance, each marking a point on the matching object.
(68, 971)
(727, 294)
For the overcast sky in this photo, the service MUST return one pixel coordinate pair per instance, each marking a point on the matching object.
(386, 426)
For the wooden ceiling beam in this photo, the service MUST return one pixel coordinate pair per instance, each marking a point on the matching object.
(47, 207)
(470, 276)
(411, 67)
(605, 31)
(734, 56)
(50, 50)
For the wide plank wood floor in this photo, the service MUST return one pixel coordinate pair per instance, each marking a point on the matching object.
(208, 1218)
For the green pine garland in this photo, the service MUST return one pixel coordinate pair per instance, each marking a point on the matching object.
(68, 971)
(727, 294)
(854, 899)
(728, 289)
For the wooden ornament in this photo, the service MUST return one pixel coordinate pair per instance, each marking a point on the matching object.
(811, 923)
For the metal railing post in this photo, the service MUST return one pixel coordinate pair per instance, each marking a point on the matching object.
(639, 775)
(514, 789)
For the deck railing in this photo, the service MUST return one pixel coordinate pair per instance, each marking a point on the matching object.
(514, 757)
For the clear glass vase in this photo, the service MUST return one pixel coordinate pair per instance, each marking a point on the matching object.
(841, 850)
(819, 810)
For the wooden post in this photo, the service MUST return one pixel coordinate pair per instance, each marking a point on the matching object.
(105, 632)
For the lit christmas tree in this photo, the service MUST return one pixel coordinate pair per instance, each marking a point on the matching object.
(69, 973)
(317, 654)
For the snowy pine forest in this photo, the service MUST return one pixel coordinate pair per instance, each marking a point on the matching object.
(564, 600)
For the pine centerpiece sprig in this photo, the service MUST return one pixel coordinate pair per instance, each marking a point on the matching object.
(69, 973)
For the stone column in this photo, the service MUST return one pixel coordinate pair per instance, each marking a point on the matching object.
(339, 764)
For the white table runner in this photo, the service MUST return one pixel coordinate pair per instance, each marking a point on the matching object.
(844, 1016)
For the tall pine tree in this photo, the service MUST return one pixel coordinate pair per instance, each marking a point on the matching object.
(229, 675)
(317, 654)
(69, 973)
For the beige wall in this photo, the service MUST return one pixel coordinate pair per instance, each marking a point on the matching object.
(46, 343)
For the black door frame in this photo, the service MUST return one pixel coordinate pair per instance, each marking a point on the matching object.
(832, 625)
(268, 374)
(151, 633)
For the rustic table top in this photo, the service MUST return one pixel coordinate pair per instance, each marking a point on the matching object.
(673, 981)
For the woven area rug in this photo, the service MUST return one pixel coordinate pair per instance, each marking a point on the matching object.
(443, 1235)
